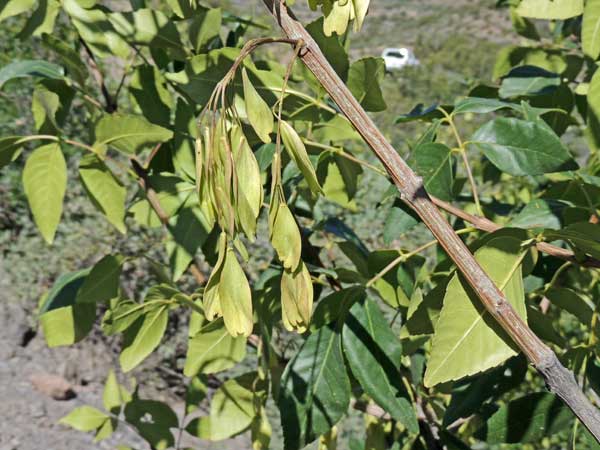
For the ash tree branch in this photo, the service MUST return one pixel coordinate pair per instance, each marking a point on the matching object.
(487, 225)
(559, 380)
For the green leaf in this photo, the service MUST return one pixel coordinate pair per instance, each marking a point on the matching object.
(467, 340)
(42, 20)
(539, 213)
(44, 105)
(128, 133)
(399, 220)
(471, 395)
(67, 325)
(583, 236)
(149, 89)
(213, 350)
(419, 112)
(153, 420)
(64, 321)
(520, 147)
(10, 8)
(590, 29)
(231, 409)
(84, 418)
(189, 230)
(339, 178)
(205, 28)
(396, 286)
(122, 314)
(550, 9)
(423, 311)
(30, 68)
(337, 129)
(523, 26)
(525, 81)
(568, 300)
(113, 395)
(183, 145)
(106, 429)
(149, 27)
(10, 149)
(172, 192)
(433, 161)
(45, 183)
(364, 78)
(202, 73)
(315, 390)
(331, 47)
(102, 283)
(68, 56)
(481, 105)
(297, 151)
(104, 189)
(527, 419)
(93, 26)
(374, 353)
(141, 340)
(63, 291)
(593, 110)
(196, 391)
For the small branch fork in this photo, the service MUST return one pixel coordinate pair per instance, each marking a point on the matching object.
(559, 380)
(487, 225)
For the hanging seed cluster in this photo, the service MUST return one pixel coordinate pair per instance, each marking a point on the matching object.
(230, 190)
(339, 13)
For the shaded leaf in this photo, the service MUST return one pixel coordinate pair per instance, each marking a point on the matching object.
(315, 390)
(364, 78)
(213, 350)
(374, 354)
(231, 409)
(527, 419)
(433, 161)
(102, 282)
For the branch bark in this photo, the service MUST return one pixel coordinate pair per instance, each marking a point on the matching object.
(558, 379)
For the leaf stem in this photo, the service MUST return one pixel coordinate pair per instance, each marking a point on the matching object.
(405, 256)
(463, 154)
(341, 152)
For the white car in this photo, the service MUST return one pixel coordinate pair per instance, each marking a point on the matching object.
(397, 58)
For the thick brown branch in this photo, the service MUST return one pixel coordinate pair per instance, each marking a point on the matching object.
(560, 380)
(487, 225)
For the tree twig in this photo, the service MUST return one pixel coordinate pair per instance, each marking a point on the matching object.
(487, 225)
(110, 103)
(560, 380)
